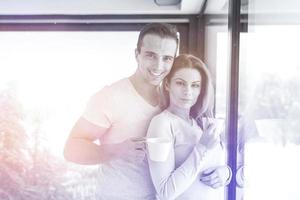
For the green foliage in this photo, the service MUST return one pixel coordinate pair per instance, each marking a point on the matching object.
(30, 173)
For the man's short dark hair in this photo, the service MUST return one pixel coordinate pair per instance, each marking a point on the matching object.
(161, 29)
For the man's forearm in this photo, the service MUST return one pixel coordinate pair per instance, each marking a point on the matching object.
(85, 152)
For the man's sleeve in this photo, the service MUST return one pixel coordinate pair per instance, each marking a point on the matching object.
(98, 109)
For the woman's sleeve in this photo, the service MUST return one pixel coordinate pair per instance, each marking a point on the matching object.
(168, 181)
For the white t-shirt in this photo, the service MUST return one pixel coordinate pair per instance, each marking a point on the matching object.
(121, 109)
(179, 176)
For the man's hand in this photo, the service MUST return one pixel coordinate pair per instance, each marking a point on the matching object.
(130, 150)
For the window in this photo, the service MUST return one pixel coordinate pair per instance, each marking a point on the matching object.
(51, 75)
(268, 108)
(55, 73)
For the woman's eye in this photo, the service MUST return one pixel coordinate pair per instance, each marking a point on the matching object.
(179, 83)
(196, 85)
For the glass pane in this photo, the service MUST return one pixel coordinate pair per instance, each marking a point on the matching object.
(45, 80)
(269, 107)
(216, 58)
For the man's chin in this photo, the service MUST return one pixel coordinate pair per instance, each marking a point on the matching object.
(155, 82)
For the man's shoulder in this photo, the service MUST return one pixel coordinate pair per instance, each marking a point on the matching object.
(114, 88)
(121, 83)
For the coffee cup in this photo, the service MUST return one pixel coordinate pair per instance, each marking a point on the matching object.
(158, 148)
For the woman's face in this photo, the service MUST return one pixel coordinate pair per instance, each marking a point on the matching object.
(184, 88)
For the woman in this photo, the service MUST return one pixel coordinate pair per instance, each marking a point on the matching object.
(194, 168)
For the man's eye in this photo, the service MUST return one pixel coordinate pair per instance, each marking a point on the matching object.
(168, 58)
(150, 55)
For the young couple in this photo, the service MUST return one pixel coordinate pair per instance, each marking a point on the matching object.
(120, 113)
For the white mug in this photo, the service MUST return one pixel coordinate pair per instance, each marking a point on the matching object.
(158, 148)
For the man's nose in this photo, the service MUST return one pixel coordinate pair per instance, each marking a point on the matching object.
(160, 64)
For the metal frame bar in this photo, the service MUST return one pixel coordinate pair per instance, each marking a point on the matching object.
(94, 23)
(234, 19)
(118, 19)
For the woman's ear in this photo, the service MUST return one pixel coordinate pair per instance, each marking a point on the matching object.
(167, 86)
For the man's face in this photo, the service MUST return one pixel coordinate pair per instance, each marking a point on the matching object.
(155, 58)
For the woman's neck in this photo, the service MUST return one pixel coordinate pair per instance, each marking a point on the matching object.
(183, 113)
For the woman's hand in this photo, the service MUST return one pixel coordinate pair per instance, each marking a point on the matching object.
(216, 177)
(209, 139)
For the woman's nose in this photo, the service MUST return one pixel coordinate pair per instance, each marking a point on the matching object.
(187, 90)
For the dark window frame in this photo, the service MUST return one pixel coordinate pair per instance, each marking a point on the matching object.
(95, 23)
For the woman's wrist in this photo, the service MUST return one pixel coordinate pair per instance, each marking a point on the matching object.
(201, 149)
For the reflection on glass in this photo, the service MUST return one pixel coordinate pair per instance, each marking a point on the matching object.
(269, 124)
(269, 97)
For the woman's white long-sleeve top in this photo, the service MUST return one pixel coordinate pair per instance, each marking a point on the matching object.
(179, 176)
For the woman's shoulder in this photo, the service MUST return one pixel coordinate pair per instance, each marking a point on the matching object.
(163, 117)
(160, 124)
(162, 121)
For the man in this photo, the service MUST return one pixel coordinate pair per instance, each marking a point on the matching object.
(121, 112)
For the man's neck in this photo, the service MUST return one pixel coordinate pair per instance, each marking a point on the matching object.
(147, 91)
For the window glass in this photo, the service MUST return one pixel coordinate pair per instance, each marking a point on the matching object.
(269, 85)
(216, 57)
(269, 108)
(46, 79)
(269, 112)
